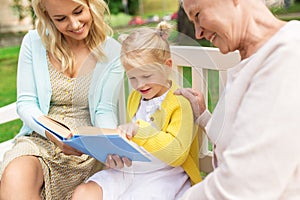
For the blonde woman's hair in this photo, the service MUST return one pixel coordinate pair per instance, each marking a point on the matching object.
(146, 45)
(54, 41)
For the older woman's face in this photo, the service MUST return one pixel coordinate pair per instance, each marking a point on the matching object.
(214, 21)
(73, 20)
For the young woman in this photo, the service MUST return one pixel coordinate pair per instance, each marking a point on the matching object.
(68, 69)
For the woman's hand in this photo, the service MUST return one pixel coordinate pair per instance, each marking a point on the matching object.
(196, 99)
(66, 149)
(116, 162)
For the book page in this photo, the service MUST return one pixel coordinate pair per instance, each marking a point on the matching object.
(55, 127)
(90, 130)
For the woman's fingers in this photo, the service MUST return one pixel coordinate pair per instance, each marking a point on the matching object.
(127, 161)
(195, 98)
(116, 162)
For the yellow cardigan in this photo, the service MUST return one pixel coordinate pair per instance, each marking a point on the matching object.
(175, 139)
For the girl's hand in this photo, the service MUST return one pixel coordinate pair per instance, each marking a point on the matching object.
(66, 149)
(129, 129)
(115, 161)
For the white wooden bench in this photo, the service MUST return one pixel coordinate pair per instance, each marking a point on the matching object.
(199, 59)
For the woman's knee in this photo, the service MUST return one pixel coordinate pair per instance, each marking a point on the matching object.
(23, 171)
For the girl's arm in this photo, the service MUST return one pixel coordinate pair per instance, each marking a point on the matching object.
(172, 142)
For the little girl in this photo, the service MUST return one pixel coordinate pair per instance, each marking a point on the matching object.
(161, 124)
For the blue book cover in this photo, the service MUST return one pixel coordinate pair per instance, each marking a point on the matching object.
(96, 142)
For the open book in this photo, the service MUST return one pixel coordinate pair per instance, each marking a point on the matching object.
(96, 142)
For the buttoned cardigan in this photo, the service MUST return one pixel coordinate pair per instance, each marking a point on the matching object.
(174, 140)
(34, 87)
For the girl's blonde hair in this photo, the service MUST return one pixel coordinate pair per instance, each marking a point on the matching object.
(54, 41)
(146, 45)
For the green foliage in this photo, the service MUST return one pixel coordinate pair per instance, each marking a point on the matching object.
(9, 130)
(8, 71)
(290, 18)
(116, 6)
(213, 85)
(292, 9)
(213, 89)
(160, 7)
(144, 7)
(118, 20)
(133, 7)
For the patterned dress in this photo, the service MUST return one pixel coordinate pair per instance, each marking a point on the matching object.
(62, 173)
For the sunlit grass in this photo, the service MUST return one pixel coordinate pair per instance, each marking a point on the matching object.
(8, 73)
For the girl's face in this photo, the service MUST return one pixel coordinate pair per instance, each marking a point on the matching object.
(150, 83)
(72, 19)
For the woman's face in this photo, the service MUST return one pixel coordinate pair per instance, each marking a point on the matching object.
(73, 20)
(215, 21)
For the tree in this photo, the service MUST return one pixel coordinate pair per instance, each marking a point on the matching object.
(184, 25)
(116, 6)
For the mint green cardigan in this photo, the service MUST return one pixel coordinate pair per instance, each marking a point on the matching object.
(34, 87)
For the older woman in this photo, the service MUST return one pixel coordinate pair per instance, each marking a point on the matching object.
(255, 127)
